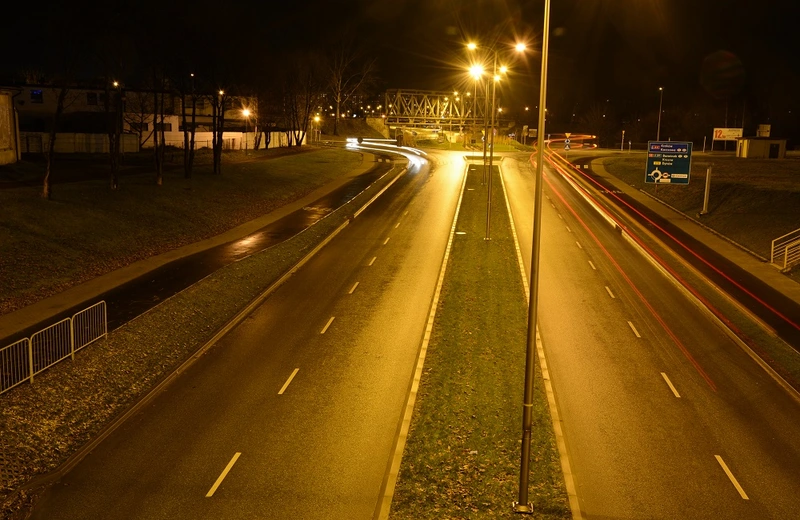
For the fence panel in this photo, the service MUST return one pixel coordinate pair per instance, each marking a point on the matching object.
(51, 345)
(14, 364)
(89, 325)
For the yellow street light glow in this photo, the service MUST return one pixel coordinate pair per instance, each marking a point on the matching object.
(476, 71)
(221, 93)
(246, 113)
(503, 69)
(497, 77)
(116, 84)
(472, 46)
(520, 47)
(316, 119)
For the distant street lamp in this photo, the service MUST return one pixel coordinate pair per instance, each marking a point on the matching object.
(317, 129)
(519, 47)
(660, 100)
(246, 114)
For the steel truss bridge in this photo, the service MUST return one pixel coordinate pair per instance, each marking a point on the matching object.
(432, 109)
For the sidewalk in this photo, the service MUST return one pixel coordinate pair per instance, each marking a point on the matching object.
(736, 254)
(22, 319)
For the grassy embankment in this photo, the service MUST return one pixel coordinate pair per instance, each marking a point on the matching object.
(462, 455)
(87, 230)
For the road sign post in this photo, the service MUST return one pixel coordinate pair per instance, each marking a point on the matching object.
(668, 162)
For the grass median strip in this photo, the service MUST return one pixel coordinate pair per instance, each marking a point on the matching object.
(461, 459)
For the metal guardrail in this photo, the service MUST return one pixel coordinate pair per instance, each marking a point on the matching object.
(14, 364)
(786, 250)
(21, 361)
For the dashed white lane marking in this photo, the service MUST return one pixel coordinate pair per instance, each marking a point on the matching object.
(568, 229)
(397, 225)
(223, 475)
(732, 478)
(554, 206)
(461, 232)
(609, 292)
(373, 260)
(671, 387)
(405, 213)
(593, 267)
(579, 245)
(352, 288)
(286, 384)
(327, 324)
(386, 241)
(634, 330)
(559, 216)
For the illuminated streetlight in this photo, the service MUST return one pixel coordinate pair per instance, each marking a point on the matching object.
(503, 70)
(246, 114)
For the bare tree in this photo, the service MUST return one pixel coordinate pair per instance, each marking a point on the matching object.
(302, 92)
(218, 127)
(189, 129)
(159, 142)
(348, 74)
(138, 113)
(61, 103)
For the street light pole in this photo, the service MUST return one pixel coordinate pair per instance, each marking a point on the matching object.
(522, 505)
(491, 155)
(660, 100)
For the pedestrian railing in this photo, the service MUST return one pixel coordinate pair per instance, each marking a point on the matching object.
(786, 250)
(22, 360)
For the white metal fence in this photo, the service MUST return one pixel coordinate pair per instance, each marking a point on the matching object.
(786, 250)
(21, 361)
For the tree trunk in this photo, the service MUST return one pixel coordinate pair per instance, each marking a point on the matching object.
(192, 134)
(187, 169)
(157, 155)
(51, 145)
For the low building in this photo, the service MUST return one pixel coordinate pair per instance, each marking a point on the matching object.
(760, 147)
(9, 128)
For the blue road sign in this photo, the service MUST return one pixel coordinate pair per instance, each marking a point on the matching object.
(668, 162)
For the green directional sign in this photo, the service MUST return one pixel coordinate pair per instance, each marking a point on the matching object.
(668, 162)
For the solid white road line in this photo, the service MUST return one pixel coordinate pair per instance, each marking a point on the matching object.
(609, 292)
(353, 288)
(732, 478)
(327, 325)
(286, 384)
(634, 330)
(223, 475)
(386, 241)
(593, 267)
(373, 260)
(669, 383)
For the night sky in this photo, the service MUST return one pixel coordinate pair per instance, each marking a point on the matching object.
(605, 55)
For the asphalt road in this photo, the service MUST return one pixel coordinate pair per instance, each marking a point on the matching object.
(664, 415)
(294, 413)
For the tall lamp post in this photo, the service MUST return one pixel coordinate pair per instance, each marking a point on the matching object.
(520, 47)
(522, 505)
(660, 101)
(246, 114)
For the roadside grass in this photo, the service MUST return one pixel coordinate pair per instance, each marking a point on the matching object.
(462, 456)
(751, 201)
(43, 424)
(87, 230)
